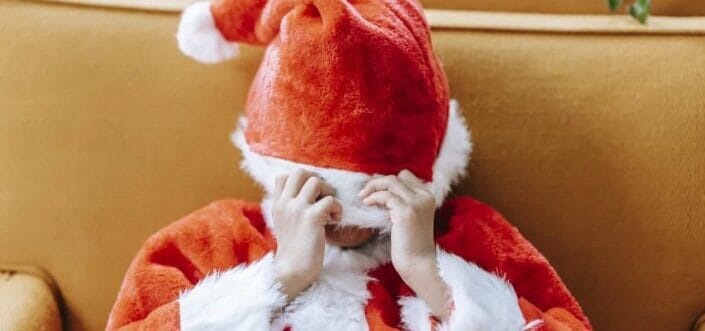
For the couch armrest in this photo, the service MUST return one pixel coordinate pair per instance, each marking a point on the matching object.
(28, 300)
(699, 324)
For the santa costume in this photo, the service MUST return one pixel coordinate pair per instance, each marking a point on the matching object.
(347, 89)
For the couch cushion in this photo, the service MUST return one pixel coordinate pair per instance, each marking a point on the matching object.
(588, 137)
(28, 300)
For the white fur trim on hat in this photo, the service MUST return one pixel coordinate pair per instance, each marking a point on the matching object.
(482, 300)
(454, 155)
(200, 39)
(242, 298)
(448, 168)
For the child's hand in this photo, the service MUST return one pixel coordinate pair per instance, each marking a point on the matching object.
(411, 209)
(302, 205)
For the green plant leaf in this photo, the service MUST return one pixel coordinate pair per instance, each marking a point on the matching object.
(615, 4)
(640, 10)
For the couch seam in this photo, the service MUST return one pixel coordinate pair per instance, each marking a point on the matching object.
(461, 20)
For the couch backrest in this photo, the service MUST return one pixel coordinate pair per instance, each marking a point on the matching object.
(658, 7)
(589, 131)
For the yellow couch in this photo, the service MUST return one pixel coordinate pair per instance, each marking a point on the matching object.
(659, 7)
(589, 131)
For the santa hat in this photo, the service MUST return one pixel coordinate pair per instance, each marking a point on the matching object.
(348, 89)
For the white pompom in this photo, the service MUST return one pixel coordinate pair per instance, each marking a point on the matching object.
(200, 39)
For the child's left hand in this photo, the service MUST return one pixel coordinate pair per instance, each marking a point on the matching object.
(411, 209)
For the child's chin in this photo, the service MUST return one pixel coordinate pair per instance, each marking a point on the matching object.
(349, 236)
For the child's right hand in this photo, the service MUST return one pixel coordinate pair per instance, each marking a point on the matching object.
(302, 205)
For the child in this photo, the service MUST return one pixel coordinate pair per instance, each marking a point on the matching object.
(350, 130)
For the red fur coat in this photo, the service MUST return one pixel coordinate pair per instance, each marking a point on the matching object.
(212, 270)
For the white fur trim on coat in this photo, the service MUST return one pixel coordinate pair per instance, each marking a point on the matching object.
(243, 298)
(448, 168)
(482, 301)
(337, 299)
(200, 39)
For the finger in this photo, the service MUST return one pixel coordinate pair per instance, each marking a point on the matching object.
(314, 188)
(336, 211)
(294, 183)
(408, 177)
(279, 182)
(329, 207)
(388, 183)
(385, 199)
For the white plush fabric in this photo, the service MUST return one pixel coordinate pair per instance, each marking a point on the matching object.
(243, 298)
(447, 169)
(482, 301)
(200, 39)
(415, 314)
(250, 298)
(336, 301)
(454, 155)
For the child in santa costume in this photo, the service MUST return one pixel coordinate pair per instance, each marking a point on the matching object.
(350, 129)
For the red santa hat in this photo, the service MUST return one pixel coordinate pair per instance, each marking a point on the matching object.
(348, 89)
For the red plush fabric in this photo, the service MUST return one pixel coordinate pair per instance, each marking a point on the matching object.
(227, 233)
(356, 80)
(217, 237)
(480, 234)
